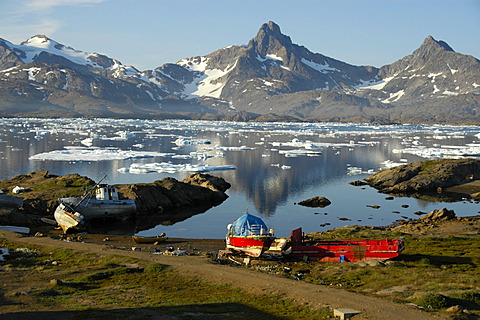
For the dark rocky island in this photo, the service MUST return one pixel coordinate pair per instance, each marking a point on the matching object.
(315, 202)
(163, 201)
(443, 179)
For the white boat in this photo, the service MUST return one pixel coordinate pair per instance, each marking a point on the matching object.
(75, 212)
(67, 218)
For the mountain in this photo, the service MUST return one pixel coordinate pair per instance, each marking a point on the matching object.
(271, 78)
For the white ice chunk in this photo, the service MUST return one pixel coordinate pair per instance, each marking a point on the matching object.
(95, 154)
(168, 167)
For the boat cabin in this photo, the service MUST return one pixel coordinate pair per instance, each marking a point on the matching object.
(104, 192)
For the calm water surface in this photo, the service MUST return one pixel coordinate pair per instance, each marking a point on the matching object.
(267, 182)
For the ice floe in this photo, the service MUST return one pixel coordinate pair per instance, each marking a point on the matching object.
(452, 152)
(191, 141)
(300, 152)
(169, 167)
(356, 170)
(95, 154)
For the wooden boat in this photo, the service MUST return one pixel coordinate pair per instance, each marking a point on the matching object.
(159, 238)
(339, 250)
(74, 212)
(67, 218)
(249, 235)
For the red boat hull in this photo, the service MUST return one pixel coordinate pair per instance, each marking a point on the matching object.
(250, 245)
(344, 250)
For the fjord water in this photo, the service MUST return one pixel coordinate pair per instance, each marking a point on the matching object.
(269, 178)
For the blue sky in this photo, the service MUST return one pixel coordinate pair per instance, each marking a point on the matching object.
(149, 33)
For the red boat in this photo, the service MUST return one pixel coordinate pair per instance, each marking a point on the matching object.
(249, 235)
(340, 250)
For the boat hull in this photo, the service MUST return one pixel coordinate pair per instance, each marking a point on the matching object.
(138, 239)
(250, 245)
(344, 250)
(67, 218)
(96, 209)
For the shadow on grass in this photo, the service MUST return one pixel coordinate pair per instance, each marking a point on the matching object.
(434, 259)
(206, 311)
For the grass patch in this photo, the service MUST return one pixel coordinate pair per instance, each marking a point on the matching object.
(447, 266)
(113, 286)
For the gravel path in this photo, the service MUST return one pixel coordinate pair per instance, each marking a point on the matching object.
(251, 281)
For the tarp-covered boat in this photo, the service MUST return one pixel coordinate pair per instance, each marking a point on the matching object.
(250, 235)
(339, 250)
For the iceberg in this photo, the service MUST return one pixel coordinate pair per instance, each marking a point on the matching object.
(299, 152)
(190, 141)
(168, 167)
(95, 154)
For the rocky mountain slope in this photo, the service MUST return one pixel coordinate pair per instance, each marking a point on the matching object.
(270, 78)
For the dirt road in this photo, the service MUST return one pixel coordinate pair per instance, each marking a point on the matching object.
(251, 281)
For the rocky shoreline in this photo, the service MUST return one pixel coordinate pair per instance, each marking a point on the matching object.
(163, 201)
(445, 179)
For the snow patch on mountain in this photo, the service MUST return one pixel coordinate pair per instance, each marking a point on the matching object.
(207, 82)
(32, 73)
(394, 96)
(272, 56)
(322, 68)
(377, 85)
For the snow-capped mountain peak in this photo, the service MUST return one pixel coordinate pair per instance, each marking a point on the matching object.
(40, 48)
(269, 77)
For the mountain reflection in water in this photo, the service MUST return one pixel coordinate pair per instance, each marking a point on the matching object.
(269, 177)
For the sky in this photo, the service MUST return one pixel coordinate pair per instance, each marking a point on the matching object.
(149, 33)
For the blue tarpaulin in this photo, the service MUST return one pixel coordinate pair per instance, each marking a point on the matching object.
(247, 225)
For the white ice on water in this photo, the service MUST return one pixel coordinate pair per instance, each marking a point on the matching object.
(450, 152)
(95, 154)
(415, 140)
(169, 167)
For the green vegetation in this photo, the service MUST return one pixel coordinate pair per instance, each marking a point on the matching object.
(96, 287)
(432, 272)
(429, 166)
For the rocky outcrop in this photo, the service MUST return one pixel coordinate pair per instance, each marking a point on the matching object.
(41, 189)
(161, 200)
(425, 176)
(358, 183)
(439, 215)
(197, 190)
(315, 202)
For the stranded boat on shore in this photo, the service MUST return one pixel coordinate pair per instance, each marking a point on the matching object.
(75, 212)
(160, 238)
(249, 235)
(339, 250)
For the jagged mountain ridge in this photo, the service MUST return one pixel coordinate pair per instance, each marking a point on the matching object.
(270, 78)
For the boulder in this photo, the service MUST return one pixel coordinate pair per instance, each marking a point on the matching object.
(315, 202)
(475, 196)
(208, 181)
(455, 309)
(439, 215)
(358, 183)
